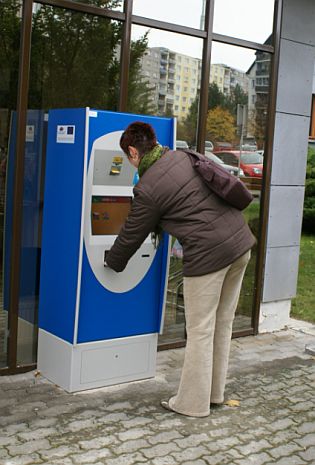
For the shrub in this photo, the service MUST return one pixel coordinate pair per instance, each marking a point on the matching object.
(309, 200)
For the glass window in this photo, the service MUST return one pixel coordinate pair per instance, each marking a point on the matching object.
(117, 5)
(244, 19)
(171, 49)
(176, 48)
(70, 76)
(10, 22)
(177, 11)
(236, 125)
(60, 77)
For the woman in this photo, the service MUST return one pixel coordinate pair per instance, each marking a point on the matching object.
(216, 241)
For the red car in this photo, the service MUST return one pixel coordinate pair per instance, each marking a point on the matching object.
(251, 162)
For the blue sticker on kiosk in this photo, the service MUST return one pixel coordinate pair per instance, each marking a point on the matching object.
(135, 178)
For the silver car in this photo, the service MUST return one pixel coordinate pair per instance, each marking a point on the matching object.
(181, 144)
(232, 169)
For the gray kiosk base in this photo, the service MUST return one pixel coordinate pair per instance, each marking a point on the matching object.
(96, 364)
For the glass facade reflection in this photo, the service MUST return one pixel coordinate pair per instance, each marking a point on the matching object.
(10, 24)
(182, 12)
(117, 5)
(244, 19)
(79, 59)
(169, 77)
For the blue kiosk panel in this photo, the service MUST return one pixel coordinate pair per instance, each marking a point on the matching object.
(61, 224)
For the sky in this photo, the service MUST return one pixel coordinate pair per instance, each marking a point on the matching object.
(245, 19)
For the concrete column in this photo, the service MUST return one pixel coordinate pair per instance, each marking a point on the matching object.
(293, 106)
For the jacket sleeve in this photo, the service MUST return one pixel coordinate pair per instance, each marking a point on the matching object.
(142, 219)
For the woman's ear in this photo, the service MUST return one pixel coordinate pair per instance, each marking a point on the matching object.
(133, 152)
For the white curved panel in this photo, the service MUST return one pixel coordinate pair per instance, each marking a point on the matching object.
(95, 246)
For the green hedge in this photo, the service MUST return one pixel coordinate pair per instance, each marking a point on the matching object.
(310, 188)
(309, 200)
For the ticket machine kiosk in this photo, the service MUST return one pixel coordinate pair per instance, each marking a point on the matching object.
(96, 327)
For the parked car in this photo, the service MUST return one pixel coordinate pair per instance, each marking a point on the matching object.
(249, 147)
(181, 144)
(251, 162)
(209, 146)
(218, 146)
(249, 144)
(230, 168)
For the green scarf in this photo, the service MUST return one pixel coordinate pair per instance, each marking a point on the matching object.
(149, 158)
(146, 161)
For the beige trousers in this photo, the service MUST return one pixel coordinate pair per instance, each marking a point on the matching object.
(210, 304)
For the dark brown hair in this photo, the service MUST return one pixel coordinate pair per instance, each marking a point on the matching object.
(139, 135)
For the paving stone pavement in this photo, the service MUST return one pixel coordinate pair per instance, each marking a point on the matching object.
(271, 376)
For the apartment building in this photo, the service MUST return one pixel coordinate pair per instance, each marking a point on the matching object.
(227, 78)
(258, 94)
(174, 80)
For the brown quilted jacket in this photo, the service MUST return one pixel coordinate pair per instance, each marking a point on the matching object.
(171, 193)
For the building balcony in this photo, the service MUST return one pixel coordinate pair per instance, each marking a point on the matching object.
(262, 89)
(263, 73)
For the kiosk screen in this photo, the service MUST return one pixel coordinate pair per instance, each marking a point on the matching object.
(108, 214)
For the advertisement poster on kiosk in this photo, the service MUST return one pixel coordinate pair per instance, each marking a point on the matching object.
(96, 327)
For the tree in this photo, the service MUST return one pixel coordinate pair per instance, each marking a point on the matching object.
(10, 23)
(221, 125)
(237, 96)
(216, 98)
(74, 59)
(188, 129)
(139, 90)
